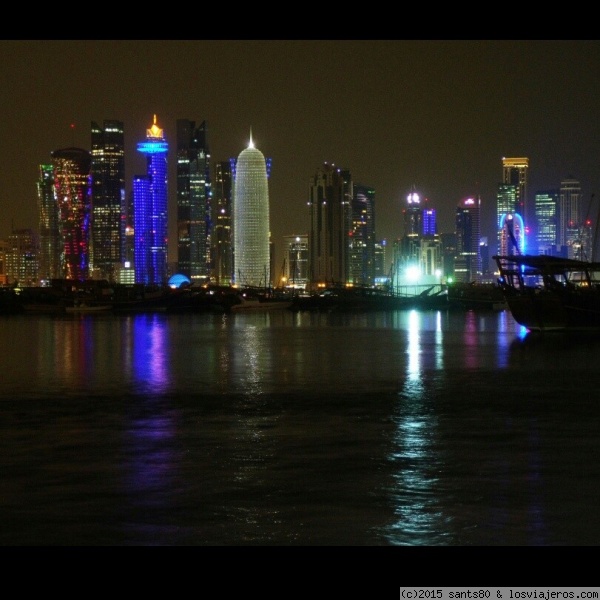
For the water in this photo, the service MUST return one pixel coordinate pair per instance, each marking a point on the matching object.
(403, 428)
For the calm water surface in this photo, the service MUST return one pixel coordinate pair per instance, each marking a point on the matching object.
(277, 428)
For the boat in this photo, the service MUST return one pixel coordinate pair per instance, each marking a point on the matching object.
(247, 300)
(364, 298)
(551, 293)
(88, 307)
(140, 298)
(42, 300)
(476, 296)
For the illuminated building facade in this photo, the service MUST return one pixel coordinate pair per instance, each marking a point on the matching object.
(515, 172)
(22, 262)
(512, 235)
(295, 271)
(222, 236)
(108, 198)
(330, 214)
(506, 204)
(412, 215)
(429, 221)
(72, 189)
(4, 247)
(467, 266)
(49, 231)
(418, 252)
(546, 218)
(251, 221)
(194, 224)
(570, 220)
(361, 262)
(150, 204)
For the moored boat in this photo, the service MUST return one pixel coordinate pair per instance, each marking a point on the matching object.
(550, 293)
(364, 298)
(88, 307)
(476, 296)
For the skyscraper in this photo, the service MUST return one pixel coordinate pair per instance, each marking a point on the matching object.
(468, 233)
(546, 217)
(108, 198)
(22, 264)
(412, 214)
(222, 234)
(251, 221)
(72, 189)
(570, 218)
(330, 195)
(515, 172)
(49, 232)
(362, 236)
(295, 272)
(194, 226)
(150, 204)
(506, 204)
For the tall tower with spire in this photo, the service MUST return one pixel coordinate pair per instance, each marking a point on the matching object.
(150, 210)
(251, 225)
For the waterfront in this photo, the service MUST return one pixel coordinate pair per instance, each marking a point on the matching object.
(399, 428)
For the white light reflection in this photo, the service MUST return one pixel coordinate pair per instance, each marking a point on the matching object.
(252, 442)
(419, 520)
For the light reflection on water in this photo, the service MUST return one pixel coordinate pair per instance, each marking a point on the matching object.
(399, 428)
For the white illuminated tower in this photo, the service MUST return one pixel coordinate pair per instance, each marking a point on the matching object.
(251, 225)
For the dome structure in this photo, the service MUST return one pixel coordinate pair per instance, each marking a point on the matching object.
(178, 280)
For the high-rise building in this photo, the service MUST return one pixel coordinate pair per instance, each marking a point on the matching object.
(546, 217)
(72, 189)
(381, 271)
(511, 235)
(49, 231)
(515, 172)
(412, 215)
(4, 249)
(361, 264)
(150, 208)
(467, 265)
(330, 195)
(251, 221)
(569, 230)
(506, 204)
(22, 262)
(222, 234)
(448, 242)
(429, 221)
(295, 271)
(194, 224)
(108, 198)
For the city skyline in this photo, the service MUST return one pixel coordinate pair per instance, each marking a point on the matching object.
(438, 115)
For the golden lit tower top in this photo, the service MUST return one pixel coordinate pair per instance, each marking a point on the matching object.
(155, 131)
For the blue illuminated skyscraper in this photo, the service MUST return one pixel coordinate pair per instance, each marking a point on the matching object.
(150, 202)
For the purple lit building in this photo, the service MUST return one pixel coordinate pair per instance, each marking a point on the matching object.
(150, 202)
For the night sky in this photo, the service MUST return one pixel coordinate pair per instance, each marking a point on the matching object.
(436, 114)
